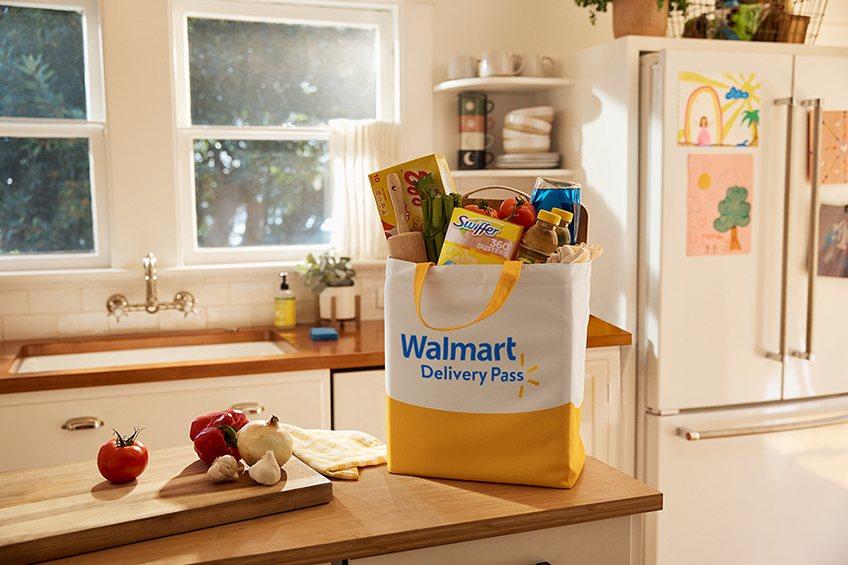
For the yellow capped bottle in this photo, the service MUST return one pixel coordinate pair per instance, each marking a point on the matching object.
(540, 240)
(563, 235)
(284, 306)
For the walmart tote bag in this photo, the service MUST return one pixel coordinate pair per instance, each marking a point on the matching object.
(484, 370)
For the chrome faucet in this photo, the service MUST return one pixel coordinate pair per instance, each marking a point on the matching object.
(118, 304)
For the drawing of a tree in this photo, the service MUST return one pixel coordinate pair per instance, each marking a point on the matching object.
(753, 119)
(734, 213)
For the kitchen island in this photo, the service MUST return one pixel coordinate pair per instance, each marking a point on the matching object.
(428, 520)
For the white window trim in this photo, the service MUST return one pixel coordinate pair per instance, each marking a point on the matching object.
(384, 15)
(93, 128)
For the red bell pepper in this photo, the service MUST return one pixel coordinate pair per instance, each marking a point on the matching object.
(214, 435)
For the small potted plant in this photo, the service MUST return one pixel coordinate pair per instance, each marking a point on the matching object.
(636, 17)
(331, 277)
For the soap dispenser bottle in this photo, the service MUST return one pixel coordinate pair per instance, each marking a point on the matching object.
(284, 311)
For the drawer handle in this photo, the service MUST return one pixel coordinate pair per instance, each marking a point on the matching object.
(82, 423)
(251, 408)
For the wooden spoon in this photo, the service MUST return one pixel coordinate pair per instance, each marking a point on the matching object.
(406, 245)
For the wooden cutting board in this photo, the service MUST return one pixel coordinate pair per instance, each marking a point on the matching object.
(54, 512)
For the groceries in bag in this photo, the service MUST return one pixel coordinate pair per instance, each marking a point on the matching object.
(478, 239)
(553, 193)
(540, 241)
(437, 209)
(563, 235)
(409, 172)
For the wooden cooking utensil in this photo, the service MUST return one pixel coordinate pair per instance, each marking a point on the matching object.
(406, 245)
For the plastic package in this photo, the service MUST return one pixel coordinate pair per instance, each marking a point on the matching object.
(552, 193)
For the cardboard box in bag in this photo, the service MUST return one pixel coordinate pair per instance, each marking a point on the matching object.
(408, 172)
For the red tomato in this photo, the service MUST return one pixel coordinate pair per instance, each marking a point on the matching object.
(483, 208)
(122, 459)
(518, 211)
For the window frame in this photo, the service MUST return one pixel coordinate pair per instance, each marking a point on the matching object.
(384, 16)
(92, 128)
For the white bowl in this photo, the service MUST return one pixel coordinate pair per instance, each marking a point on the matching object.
(527, 125)
(539, 112)
(512, 146)
(510, 134)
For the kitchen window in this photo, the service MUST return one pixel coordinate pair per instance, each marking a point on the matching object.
(257, 84)
(52, 137)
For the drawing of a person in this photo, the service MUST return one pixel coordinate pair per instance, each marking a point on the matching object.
(704, 135)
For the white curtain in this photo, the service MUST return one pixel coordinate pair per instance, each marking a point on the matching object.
(358, 148)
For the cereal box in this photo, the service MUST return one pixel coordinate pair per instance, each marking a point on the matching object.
(474, 238)
(408, 172)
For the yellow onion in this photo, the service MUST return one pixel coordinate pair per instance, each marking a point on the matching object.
(258, 437)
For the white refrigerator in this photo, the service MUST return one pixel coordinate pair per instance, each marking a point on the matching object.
(741, 365)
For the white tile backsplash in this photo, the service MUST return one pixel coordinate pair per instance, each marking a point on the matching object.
(82, 324)
(14, 302)
(45, 310)
(33, 326)
(56, 301)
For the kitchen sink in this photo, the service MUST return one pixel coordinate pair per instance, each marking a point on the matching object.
(122, 352)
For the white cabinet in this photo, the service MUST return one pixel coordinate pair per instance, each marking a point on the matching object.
(602, 541)
(601, 413)
(359, 403)
(163, 409)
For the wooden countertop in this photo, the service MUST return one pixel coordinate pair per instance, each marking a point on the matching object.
(384, 513)
(355, 348)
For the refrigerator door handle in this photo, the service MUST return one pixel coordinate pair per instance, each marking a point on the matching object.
(787, 185)
(813, 248)
(694, 435)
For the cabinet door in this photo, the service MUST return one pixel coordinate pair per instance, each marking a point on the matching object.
(359, 402)
(604, 541)
(600, 389)
(164, 410)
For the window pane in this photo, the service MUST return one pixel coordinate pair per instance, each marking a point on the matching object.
(269, 74)
(42, 63)
(45, 196)
(254, 193)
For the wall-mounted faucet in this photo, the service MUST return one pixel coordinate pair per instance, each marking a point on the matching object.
(118, 304)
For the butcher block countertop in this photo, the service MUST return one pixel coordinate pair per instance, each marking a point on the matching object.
(385, 513)
(356, 348)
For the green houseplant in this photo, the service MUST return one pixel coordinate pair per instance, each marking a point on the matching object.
(331, 278)
(636, 17)
(326, 271)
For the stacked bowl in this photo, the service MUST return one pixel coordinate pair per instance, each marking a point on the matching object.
(527, 139)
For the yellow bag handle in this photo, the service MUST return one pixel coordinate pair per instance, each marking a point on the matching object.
(506, 282)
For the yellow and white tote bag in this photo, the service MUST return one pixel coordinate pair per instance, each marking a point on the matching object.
(484, 370)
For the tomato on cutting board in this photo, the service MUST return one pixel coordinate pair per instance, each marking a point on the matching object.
(518, 211)
(122, 459)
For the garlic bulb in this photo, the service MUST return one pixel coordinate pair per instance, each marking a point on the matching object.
(266, 471)
(223, 469)
(257, 437)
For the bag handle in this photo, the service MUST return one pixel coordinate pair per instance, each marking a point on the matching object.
(509, 277)
(517, 192)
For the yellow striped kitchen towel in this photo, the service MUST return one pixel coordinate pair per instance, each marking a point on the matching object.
(337, 453)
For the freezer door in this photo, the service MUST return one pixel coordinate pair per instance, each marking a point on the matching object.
(825, 79)
(711, 312)
(757, 498)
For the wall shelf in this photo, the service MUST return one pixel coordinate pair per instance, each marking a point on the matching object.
(515, 173)
(503, 84)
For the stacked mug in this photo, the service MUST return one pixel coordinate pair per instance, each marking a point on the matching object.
(474, 139)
